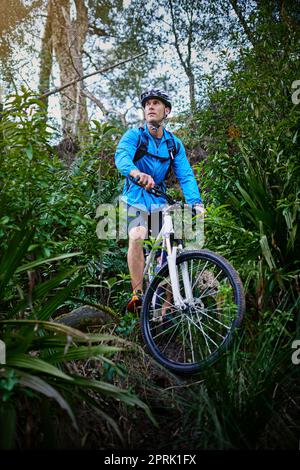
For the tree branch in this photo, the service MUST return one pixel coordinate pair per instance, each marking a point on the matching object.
(99, 103)
(105, 111)
(89, 57)
(176, 37)
(190, 40)
(94, 29)
(101, 71)
(242, 20)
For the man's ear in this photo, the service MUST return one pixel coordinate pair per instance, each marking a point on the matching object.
(167, 111)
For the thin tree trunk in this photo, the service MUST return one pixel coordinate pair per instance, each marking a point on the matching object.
(191, 78)
(189, 70)
(68, 36)
(186, 64)
(243, 22)
(46, 58)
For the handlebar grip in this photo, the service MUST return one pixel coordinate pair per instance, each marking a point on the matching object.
(136, 179)
(156, 190)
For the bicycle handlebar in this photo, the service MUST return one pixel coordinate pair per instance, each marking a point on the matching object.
(156, 191)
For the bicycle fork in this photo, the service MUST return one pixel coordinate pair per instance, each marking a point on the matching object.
(174, 277)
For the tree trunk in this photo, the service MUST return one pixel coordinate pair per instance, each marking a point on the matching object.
(46, 58)
(242, 21)
(191, 78)
(68, 38)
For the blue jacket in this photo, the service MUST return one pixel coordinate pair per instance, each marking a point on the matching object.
(137, 196)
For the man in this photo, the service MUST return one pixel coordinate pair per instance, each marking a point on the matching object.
(163, 149)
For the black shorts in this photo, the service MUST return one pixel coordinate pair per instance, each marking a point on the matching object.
(152, 222)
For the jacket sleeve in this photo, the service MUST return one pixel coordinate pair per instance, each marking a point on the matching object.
(185, 176)
(125, 152)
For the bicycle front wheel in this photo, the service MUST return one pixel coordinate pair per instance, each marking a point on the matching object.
(187, 338)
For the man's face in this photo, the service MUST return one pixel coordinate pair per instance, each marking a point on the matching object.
(155, 111)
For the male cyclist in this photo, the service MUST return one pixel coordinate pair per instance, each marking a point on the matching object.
(146, 154)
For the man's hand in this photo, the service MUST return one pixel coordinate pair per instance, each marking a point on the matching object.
(144, 180)
(199, 209)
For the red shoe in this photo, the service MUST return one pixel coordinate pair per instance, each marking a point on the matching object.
(135, 303)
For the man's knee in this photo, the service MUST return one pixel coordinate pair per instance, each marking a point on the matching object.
(137, 234)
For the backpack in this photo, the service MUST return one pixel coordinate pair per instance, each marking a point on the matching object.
(142, 149)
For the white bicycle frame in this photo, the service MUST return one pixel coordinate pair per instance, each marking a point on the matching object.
(164, 235)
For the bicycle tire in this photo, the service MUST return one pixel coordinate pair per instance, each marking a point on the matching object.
(232, 302)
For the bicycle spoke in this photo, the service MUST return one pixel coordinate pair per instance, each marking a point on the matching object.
(165, 333)
(158, 295)
(203, 334)
(216, 332)
(162, 316)
(214, 319)
(190, 319)
(191, 342)
(203, 269)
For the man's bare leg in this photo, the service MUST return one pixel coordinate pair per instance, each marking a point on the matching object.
(135, 257)
(167, 305)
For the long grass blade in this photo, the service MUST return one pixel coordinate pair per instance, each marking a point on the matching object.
(50, 308)
(24, 361)
(34, 264)
(41, 386)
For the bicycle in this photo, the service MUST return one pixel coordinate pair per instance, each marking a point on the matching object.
(193, 304)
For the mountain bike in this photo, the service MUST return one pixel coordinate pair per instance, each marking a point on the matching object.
(193, 305)
(194, 301)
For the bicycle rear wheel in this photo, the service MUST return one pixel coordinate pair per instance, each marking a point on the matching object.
(189, 338)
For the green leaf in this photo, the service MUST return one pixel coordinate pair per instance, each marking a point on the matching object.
(52, 326)
(267, 252)
(34, 264)
(47, 310)
(24, 361)
(11, 258)
(41, 386)
(29, 152)
(8, 380)
(45, 288)
(83, 352)
(246, 196)
(60, 340)
(4, 220)
(265, 248)
(117, 393)
(295, 137)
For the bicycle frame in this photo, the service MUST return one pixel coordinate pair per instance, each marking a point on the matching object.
(164, 236)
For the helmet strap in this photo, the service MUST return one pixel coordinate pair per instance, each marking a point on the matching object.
(154, 126)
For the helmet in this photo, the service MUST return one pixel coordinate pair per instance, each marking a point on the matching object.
(156, 93)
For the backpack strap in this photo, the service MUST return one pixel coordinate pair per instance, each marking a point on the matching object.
(142, 149)
(142, 145)
(173, 150)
